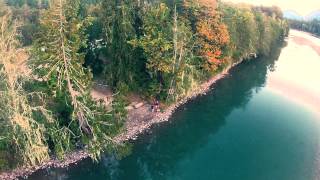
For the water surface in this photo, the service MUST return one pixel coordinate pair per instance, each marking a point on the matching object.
(261, 122)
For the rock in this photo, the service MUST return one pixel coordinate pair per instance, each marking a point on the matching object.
(136, 106)
(128, 108)
(133, 103)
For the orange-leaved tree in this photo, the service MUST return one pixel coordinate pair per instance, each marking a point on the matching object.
(212, 34)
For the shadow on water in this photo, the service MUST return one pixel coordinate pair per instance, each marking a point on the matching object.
(156, 153)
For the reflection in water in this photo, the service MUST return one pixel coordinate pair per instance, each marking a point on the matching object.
(214, 107)
(211, 111)
(305, 39)
(240, 130)
(298, 74)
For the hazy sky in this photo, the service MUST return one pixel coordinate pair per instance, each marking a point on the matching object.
(303, 7)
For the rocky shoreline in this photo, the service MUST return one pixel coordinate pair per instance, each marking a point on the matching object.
(136, 129)
(24, 172)
(132, 132)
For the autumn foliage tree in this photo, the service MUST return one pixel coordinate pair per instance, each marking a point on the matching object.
(211, 34)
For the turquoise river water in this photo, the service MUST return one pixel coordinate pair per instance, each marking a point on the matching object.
(260, 122)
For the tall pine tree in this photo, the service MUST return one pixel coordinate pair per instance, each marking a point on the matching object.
(57, 60)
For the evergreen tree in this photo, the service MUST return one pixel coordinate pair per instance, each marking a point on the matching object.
(57, 60)
(20, 133)
(121, 24)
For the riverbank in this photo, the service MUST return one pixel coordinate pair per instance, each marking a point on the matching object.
(135, 125)
(227, 133)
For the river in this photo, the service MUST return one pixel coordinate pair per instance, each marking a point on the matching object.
(260, 122)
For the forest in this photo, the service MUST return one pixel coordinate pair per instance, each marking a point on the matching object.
(312, 27)
(52, 52)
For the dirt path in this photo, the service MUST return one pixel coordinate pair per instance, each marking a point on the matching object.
(103, 93)
(139, 111)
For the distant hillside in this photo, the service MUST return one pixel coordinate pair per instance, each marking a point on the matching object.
(290, 14)
(313, 15)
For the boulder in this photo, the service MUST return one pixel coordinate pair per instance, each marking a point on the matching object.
(128, 108)
(136, 106)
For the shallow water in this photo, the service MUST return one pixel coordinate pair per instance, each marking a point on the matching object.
(261, 122)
